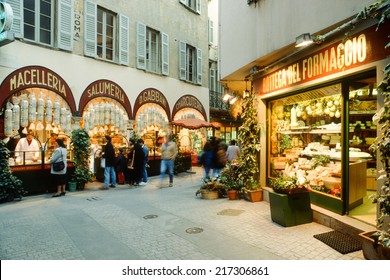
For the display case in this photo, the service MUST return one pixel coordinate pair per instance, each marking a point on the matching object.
(306, 140)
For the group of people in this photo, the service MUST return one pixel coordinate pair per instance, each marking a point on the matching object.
(132, 168)
(121, 168)
(215, 154)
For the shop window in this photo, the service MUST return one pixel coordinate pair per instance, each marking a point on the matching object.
(193, 5)
(152, 50)
(306, 139)
(34, 21)
(190, 63)
(101, 34)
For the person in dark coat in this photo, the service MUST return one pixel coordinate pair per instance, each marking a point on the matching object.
(109, 169)
(121, 167)
(138, 163)
(130, 164)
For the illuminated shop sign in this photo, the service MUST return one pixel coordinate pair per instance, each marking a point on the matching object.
(189, 101)
(151, 95)
(352, 52)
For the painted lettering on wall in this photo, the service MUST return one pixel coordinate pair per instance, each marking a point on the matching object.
(327, 61)
(189, 102)
(36, 78)
(106, 88)
(77, 27)
(151, 95)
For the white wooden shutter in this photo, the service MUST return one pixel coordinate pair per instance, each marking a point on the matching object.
(65, 24)
(212, 80)
(211, 32)
(199, 66)
(185, 2)
(182, 61)
(90, 24)
(165, 54)
(141, 46)
(17, 9)
(123, 40)
(198, 3)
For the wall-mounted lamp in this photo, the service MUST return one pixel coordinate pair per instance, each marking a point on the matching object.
(233, 100)
(303, 40)
(230, 98)
(226, 97)
(246, 91)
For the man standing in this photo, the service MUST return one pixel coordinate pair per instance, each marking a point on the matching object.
(28, 148)
(145, 161)
(233, 151)
(169, 153)
(109, 169)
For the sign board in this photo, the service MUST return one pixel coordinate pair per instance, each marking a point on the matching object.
(6, 17)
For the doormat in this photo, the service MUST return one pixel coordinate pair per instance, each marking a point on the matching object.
(339, 241)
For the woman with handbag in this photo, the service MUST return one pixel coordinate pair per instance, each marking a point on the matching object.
(58, 167)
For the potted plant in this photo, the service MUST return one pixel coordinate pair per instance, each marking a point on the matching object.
(81, 147)
(290, 200)
(10, 186)
(229, 177)
(212, 188)
(248, 164)
(376, 244)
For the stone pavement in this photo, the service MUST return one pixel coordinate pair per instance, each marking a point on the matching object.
(154, 224)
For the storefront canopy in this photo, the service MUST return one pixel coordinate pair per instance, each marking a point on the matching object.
(194, 123)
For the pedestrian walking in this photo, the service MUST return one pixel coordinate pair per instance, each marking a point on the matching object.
(130, 164)
(138, 163)
(59, 176)
(206, 159)
(169, 153)
(110, 163)
(233, 151)
(145, 162)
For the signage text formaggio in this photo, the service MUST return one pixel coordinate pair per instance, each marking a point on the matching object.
(329, 60)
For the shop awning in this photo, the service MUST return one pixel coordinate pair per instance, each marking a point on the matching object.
(194, 123)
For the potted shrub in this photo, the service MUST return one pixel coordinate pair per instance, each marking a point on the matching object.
(249, 135)
(81, 147)
(290, 200)
(10, 186)
(229, 177)
(376, 244)
(212, 188)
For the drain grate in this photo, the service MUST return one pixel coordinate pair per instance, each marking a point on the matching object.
(94, 198)
(194, 230)
(339, 241)
(231, 212)
(147, 217)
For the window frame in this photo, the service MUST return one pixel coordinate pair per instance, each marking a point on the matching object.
(105, 14)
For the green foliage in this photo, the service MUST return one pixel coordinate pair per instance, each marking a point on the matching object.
(288, 185)
(10, 186)
(249, 136)
(81, 146)
(229, 176)
(213, 184)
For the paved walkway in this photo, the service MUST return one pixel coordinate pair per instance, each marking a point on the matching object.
(154, 224)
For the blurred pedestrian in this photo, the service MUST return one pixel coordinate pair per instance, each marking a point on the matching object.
(59, 177)
(233, 151)
(121, 167)
(169, 153)
(110, 163)
(145, 162)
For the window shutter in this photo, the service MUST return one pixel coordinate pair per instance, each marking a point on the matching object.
(123, 40)
(211, 32)
(199, 66)
(141, 46)
(165, 54)
(17, 9)
(65, 24)
(90, 10)
(184, 2)
(212, 79)
(182, 60)
(198, 2)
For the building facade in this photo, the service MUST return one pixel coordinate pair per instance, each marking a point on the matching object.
(125, 68)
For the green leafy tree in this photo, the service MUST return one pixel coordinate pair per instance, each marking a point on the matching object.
(249, 137)
(81, 147)
(10, 186)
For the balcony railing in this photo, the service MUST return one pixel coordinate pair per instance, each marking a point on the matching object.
(216, 101)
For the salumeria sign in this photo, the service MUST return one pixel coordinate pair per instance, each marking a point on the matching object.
(335, 58)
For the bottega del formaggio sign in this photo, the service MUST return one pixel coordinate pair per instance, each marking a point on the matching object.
(350, 53)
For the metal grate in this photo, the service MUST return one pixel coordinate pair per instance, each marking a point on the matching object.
(150, 217)
(339, 241)
(194, 230)
(231, 212)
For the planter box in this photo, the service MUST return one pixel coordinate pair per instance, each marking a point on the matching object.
(209, 194)
(290, 209)
(372, 251)
(254, 196)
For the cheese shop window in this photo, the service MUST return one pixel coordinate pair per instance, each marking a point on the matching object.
(305, 139)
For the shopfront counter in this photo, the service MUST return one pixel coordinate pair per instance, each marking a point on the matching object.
(36, 178)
